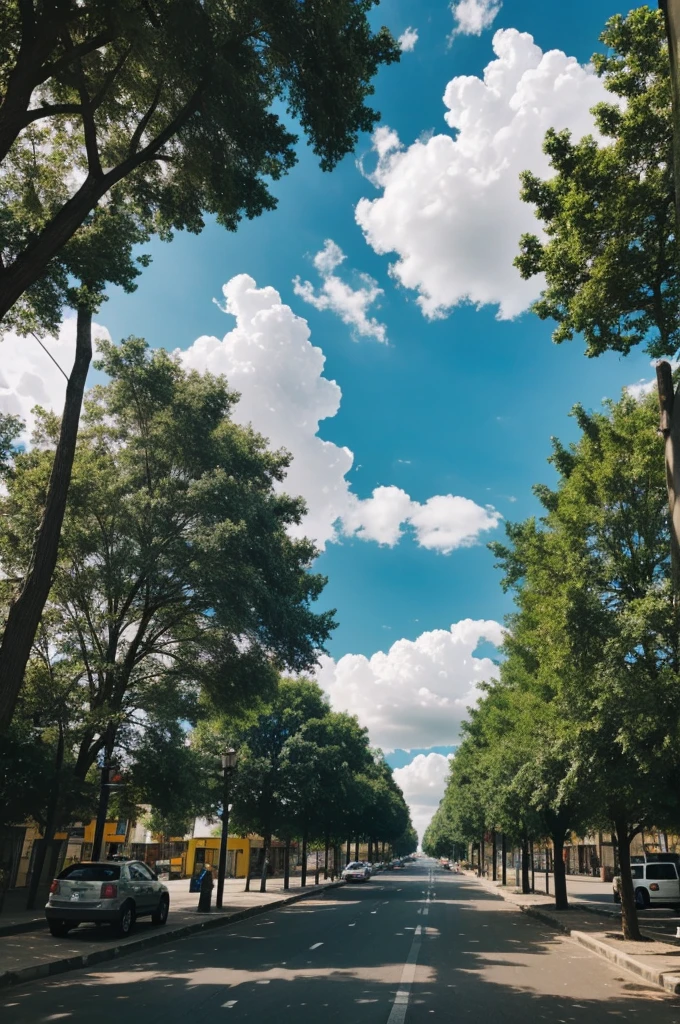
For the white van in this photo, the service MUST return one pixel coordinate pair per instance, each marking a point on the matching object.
(656, 883)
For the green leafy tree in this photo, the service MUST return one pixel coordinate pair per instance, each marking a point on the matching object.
(610, 251)
(597, 623)
(610, 257)
(177, 576)
(261, 789)
(170, 110)
(120, 120)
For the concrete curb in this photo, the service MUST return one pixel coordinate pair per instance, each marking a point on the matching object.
(668, 980)
(73, 963)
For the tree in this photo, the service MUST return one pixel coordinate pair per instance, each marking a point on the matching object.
(610, 258)
(176, 572)
(261, 788)
(592, 585)
(166, 113)
(168, 109)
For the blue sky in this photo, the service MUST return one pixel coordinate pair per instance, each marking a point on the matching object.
(460, 405)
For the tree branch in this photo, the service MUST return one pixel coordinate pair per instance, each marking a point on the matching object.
(141, 127)
(50, 110)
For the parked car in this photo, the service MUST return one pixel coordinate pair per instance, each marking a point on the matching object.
(357, 871)
(656, 882)
(105, 892)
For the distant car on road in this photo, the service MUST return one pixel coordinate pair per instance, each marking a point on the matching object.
(106, 892)
(357, 871)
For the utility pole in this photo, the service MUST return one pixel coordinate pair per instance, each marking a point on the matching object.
(228, 765)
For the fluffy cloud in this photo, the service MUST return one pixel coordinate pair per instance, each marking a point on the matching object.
(350, 304)
(472, 17)
(29, 377)
(408, 39)
(269, 358)
(450, 206)
(423, 782)
(442, 523)
(416, 695)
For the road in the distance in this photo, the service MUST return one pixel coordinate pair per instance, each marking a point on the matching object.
(409, 947)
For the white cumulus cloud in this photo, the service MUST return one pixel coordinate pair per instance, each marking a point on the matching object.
(472, 17)
(408, 39)
(450, 206)
(415, 695)
(350, 304)
(269, 358)
(29, 377)
(423, 782)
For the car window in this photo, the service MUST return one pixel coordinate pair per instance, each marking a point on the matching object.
(661, 871)
(91, 872)
(146, 872)
(637, 871)
(139, 872)
(354, 865)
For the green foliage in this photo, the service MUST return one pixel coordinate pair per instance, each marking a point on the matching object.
(118, 120)
(610, 256)
(582, 729)
(177, 581)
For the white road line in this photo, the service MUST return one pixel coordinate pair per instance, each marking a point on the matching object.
(426, 911)
(228, 1006)
(352, 925)
(316, 945)
(400, 1005)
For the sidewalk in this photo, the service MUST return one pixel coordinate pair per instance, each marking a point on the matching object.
(657, 960)
(27, 955)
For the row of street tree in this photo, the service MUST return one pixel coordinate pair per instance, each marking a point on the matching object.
(149, 586)
(581, 730)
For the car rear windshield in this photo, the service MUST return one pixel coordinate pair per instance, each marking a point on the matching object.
(91, 872)
(355, 867)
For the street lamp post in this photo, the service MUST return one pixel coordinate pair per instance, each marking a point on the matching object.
(228, 765)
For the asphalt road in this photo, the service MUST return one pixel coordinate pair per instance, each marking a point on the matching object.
(405, 948)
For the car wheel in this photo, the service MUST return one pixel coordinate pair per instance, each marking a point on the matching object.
(641, 899)
(126, 921)
(60, 928)
(160, 915)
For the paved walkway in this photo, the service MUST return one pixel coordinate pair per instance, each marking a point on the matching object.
(36, 953)
(657, 960)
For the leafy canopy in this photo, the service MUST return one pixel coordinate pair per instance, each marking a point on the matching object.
(609, 253)
(130, 118)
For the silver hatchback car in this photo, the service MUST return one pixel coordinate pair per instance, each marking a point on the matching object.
(105, 892)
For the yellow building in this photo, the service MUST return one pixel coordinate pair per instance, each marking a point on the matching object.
(202, 852)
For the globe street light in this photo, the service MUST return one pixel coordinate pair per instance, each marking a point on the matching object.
(228, 765)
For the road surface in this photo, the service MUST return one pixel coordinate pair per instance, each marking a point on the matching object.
(408, 947)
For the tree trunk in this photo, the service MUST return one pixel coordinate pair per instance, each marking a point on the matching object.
(370, 851)
(526, 887)
(26, 609)
(669, 426)
(303, 878)
(481, 859)
(494, 854)
(629, 918)
(504, 856)
(533, 866)
(348, 852)
(265, 862)
(383, 852)
(356, 849)
(50, 825)
(325, 859)
(559, 872)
